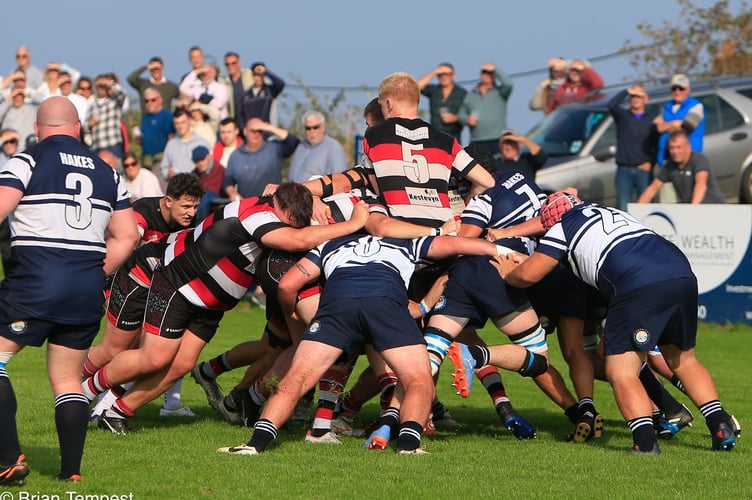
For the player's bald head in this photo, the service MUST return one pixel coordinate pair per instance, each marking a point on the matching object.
(57, 115)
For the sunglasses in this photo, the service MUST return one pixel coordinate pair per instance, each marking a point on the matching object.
(130, 164)
(676, 88)
(486, 72)
(443, 74)
(84, 88)
(11, 141)
(313, 127)
(153, 99)
(231, 63)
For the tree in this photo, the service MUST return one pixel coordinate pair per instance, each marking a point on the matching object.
(693, 45)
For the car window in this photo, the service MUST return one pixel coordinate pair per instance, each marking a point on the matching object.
(608, 138)
(565, 131)
(730, 117)
(746, 92)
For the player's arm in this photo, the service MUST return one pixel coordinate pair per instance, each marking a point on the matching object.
(480, 180)
(448, 246)
(302, 273)
(9, 199)
(430, 299)
(124, 237)
(383, 226)
(299, 240)
(524, 272)
(530, 227)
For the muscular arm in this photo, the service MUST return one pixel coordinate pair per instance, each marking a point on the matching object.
(9, 198)
(527, 273)
(124, 237)
(480, 178)
(388, 227)
(448, 246)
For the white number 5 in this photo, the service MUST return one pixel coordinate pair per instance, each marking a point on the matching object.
(415, 165)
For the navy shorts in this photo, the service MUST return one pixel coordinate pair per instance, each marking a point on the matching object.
(476, 291)
(33, 332)
(658, 314)
(559, 293)
(349, 324)
(168, 314)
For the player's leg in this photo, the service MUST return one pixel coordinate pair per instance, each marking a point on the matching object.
(13, 466)
(331, 387)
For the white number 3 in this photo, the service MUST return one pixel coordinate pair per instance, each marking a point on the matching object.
(78, 216)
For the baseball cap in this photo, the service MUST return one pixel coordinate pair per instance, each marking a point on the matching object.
(680, 80)
(199, 153)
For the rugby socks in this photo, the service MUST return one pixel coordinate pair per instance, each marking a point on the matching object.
(351, 405)
(330, 388)
(387, 383)
(490, 377)
(643, 434)
(437, 343)
(120, 409)
(677, 383)
(96, 384)
(586, 405)
(408, 438)
(573, 413)
(714, 414)
(480, 354)
(264, 432)
(215, 367)
(71, 420)
(172, 397)
(10, 448)
(89, 368)
(657, 392)
(390, 417)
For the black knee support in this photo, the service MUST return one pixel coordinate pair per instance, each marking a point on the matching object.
(534, 365)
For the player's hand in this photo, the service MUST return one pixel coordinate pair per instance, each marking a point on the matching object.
(451, 227)
(270, 189)
(497, 234)
(414, 309)
(360, 213)
(321, 212)
(504, 264)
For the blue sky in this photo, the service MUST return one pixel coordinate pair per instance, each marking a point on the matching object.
(337, 42)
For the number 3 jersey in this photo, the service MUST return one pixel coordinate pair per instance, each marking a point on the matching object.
(412, 162)
(58, 230)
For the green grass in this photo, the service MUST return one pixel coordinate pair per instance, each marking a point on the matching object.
(177, 458)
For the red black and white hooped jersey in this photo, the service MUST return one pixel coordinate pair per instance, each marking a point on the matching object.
(412, 162)
(341, 205)
(213, 264)
(58, 230)
(151, 223)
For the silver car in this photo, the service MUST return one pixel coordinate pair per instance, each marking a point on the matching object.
(580, 140)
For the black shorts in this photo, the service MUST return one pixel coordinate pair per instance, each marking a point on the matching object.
(476, 291)
(33, 332)
(168, 314)
(559, 293)
(127, 302)
(349, 324)
(658, 314)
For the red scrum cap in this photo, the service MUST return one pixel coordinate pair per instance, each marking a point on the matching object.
(555, 206)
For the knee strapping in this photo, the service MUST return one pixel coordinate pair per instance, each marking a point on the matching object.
(534, 365)
(532, 339)
(438, 341)
(5, 358)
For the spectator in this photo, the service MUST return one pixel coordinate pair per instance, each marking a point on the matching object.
(177, 153)
(557, 74)
(444, 99)
(156, 80)
(510, 157)
(140, 182)
(196, 59)
(65, 84)
(105, 116)
(688, 171)
(84, 88)
(485, 107)
(258, 101)
(211, 174)
(258, 162)
(9, 143)
(683, 112)
(229, 140)
(34, 76)
(201, 85)
(635, 144)
(205, 121)
(581, 80)
(156, 129)
(318, 154)
(16, 113)
(237, 81)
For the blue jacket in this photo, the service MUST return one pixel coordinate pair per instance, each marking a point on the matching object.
(695, 137)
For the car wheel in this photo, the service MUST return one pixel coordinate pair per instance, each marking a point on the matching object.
(745, 190)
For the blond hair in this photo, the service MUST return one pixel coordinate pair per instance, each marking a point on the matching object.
(401, 87)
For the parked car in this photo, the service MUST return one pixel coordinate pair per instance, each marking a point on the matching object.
(580, 140)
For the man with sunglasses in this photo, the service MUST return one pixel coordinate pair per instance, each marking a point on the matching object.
(485, 107)
(156, 80)
(444, 99)
(318, 154)
(682, 112)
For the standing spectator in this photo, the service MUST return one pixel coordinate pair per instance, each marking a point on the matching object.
(510, 157)
(201, 85)
(485, 107)
(444, 99)
(105, 115)
(156, 80)
(688, 171)
(34, 76)
(84, 88)
(16, 112)
(258, 101)
(258, 162)
(318, 154)
(156, 129)
(63, 246)
(140, 182)
(237, 81)
(196, 59)
(682, 112)
(65, 83)
(557, 74)
(177, 153)
(211, 174)
(229, 140)
(635, 144)
(581, 80)
(9, 144)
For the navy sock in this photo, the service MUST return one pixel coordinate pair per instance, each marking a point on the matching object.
(264, 432)
(10, 448)
(71, 420)
(409, 435)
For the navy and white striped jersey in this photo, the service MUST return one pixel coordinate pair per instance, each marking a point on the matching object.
(368, 266)
(612, 251)
(58, 230)
(512, 200)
